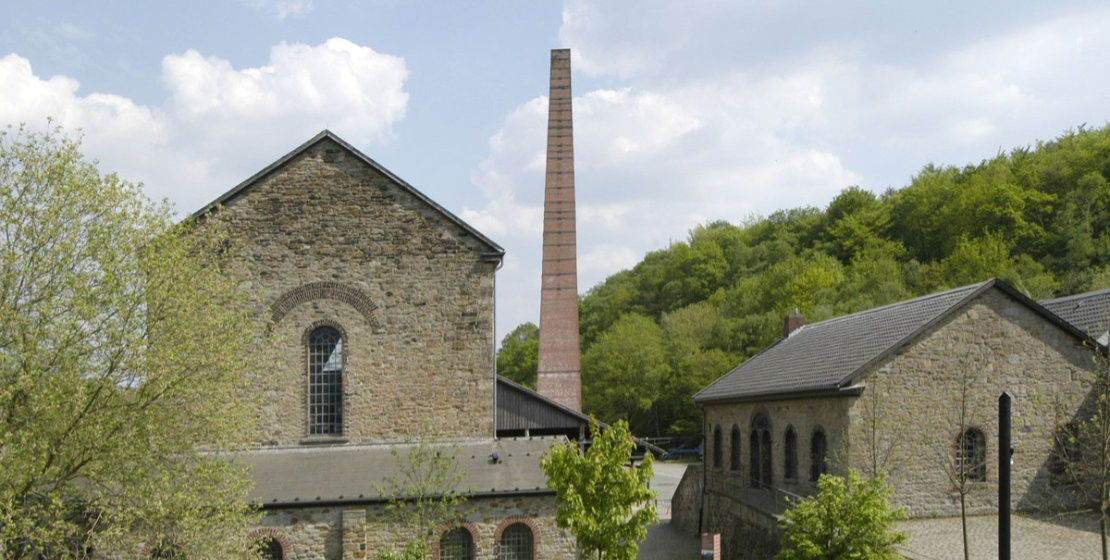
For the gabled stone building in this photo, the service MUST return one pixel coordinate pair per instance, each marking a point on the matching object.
(909, 390)
(381, 303)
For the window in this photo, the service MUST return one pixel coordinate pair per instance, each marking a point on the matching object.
(516, 542)
(790, 454)
(456, 544)
(270, 548)
(717, 447)
(325, 382)
(971, 455)
(734, 449)
(818, 455)
(759, 449)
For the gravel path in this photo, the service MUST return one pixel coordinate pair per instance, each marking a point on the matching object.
(1058, 537)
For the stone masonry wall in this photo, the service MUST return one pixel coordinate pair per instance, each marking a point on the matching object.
(361, 531)
(915, 401)
(336, 242)
(907, 419)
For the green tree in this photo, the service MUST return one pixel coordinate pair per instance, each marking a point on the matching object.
(425, 493)
(624, 371)
(517, 358)
(849, 518)
(123, 346)
(606, 504)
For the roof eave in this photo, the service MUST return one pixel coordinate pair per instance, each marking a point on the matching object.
(821, 392)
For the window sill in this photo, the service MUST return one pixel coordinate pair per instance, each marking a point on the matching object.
(323, 440)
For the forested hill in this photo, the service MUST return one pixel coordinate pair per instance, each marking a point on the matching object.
(652, 336)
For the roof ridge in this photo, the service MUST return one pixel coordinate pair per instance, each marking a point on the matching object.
(918, 299)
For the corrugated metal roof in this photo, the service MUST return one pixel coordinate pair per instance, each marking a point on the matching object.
(520, 408)
(308, 475)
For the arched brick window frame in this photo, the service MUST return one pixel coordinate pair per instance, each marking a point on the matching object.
(270, 533)
(467, 526)
(324, 290)
(734, 449)
(717, 451)
(517, 521)
(306, 344)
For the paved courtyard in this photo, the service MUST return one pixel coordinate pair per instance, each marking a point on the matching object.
(1051, 537)
(665, 542)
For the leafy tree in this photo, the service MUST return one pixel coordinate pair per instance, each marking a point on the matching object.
(518, 356)
(624, 372)
(606, 504)
(849, 518)
(425, 493)
(124, 341)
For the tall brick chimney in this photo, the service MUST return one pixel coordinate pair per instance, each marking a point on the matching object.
(558, 376)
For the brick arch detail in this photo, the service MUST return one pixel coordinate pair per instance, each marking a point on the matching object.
(325, 290)
(259, 534)
(470, 528)
(513, 521)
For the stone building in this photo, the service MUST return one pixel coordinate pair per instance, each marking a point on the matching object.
(381, 307)
(909, 390)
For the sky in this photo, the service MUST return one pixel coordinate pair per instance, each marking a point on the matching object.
(684, 112)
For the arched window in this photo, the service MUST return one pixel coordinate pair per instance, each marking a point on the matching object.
(790, 454)
(971, 455)
(456, 544)
(516, 543)
(734, 449)
(325, 382)
(818, 455)
(759, 449)
(717, 447)
(270, 548)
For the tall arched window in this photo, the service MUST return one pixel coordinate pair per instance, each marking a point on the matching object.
(516, 543)
(790, 454)
(734, 449)
(325, 382)
(759, 447)
(818, 455)
(456, 544)
(717, 447)
(971, 455)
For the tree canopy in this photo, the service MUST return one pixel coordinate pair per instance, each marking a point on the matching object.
(123, 343)
(1038, 218)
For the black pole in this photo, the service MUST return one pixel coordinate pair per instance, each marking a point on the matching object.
(1005, 451)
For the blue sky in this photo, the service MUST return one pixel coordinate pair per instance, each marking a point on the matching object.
(685, 112)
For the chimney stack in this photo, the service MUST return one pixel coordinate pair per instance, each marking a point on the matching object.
(558, 373)
(794, 322)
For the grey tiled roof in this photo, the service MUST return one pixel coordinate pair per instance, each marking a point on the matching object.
(308, 475)
(824, 356)
(1090, 312)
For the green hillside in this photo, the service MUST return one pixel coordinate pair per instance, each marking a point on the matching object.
(652, 336)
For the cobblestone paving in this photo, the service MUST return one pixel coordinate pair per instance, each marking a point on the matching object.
(1056, 537)
(665, 542)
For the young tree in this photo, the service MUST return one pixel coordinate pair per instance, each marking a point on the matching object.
(848, 518)
(606, 504)
(425, 494)
(123, 346)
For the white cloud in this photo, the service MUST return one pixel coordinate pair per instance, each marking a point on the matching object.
(219, 124)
